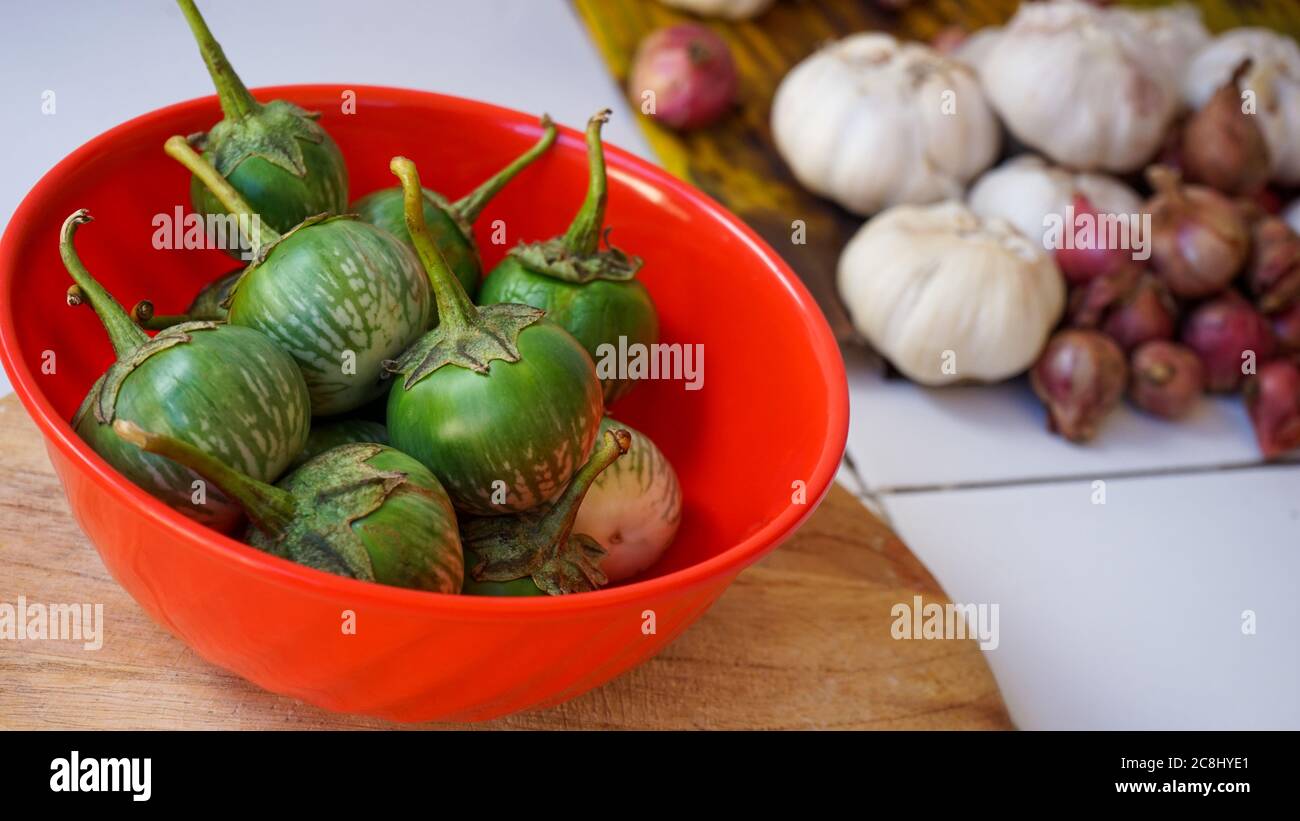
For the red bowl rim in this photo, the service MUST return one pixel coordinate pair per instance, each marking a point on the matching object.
(59, 431)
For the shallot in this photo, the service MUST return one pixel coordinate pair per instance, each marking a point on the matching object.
(1165, 378)
(1230, 337)
(1273, 274)
(1223, 146)
(683, 76)
(1146, 312)
(1273, 401)
(1080, 378)
(1198, 236)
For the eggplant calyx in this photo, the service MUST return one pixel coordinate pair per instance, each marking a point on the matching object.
(575, 567)
(264, 250)
(259, 237)
(248, 128)
(131, 345)
(494, 335)
(271, 134)
(576, 256)
(335, 490)
(105, 392)
(554, 258)
(541, 544)
(467, 336)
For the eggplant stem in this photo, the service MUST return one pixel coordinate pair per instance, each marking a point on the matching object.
(236, 101)
(558, 521)
(271, 508)
(583, 236)
(260, 234)
(125, 335)
(142, 313)
(455, 309)
(472, 204)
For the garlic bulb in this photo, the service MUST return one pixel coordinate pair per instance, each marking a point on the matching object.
(728, 9)
(947, 296)
(977, 46)
(1292, 216)
(1025, 189)
(1274, 79)
(870, 122)
(1175, 33)
(1079, 85)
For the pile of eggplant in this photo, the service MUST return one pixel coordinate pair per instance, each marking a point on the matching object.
(359, 398)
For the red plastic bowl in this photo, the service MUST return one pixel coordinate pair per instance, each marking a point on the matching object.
(773, 411)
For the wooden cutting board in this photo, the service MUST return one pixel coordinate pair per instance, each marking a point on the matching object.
(801, 640)
(736, 162)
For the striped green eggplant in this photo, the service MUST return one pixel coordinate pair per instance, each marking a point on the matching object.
(208, 305)
(541, 552)
(337, 294)
(364, 511)
(329, 434)
(451, 223)
(502, 405)
(275, 154)
(634, 507)
(592, 293)
(228, 390)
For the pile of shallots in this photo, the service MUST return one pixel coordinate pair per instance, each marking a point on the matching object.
(1213, 302)
(1131, 242)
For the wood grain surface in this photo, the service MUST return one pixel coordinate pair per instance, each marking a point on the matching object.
(801, 640)
(736, 162)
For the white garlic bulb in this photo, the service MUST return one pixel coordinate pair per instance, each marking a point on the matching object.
(1273, 81)
(1025, 189)
(727, 9)
(1292, 216)
(870, 122)
(947, 296)
(977, 46)
(1080, 86)
(1176, 33)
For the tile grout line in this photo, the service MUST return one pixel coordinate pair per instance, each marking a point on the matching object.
(1232, 467)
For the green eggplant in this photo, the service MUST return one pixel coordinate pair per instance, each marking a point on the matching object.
(207, 305)
(451, 224)
(330, 434)
(337, 294)
(538, 552)
(229, 390)
(502, 405)
(364, 511)
(593, 294)
(275, 154)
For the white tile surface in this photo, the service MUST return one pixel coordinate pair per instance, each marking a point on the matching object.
(108, 62)
(903, 435)
(1129, 614)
